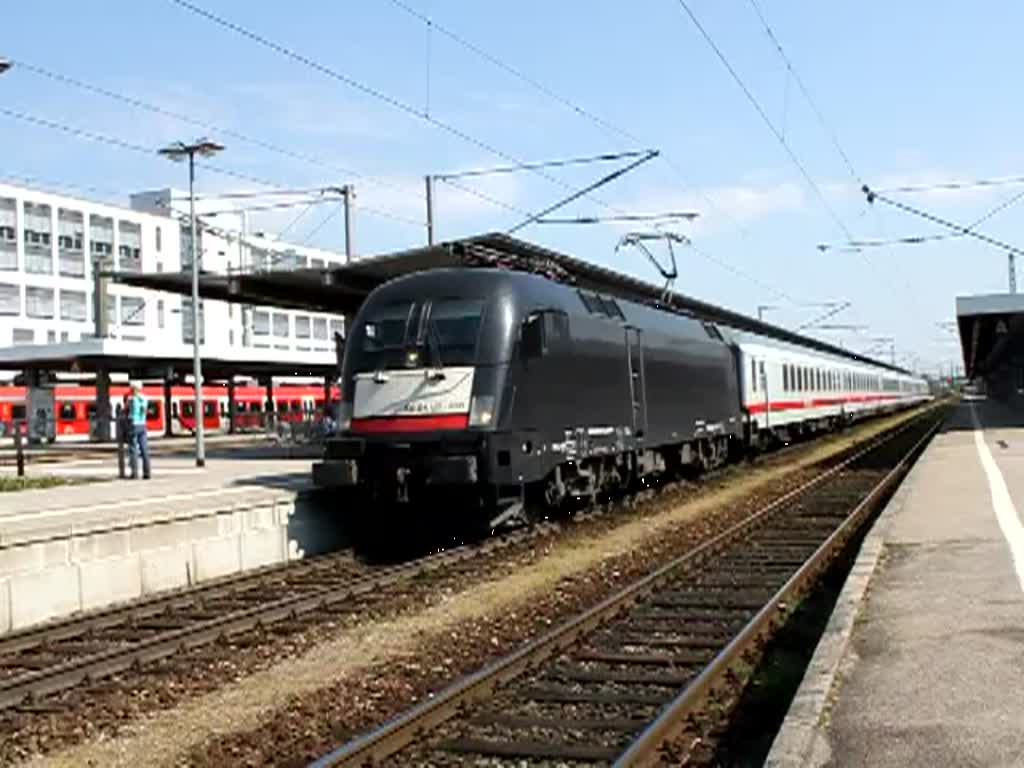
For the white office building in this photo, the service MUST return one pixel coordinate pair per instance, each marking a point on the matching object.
(50, 245)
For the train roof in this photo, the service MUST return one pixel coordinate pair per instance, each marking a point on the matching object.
(341, 289)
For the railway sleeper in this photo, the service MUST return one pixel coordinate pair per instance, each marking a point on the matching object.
(707, 599)
(561, 694)
(683, 658)
(712, 641)
(579, 674)
(623, 724)
(33, 661)
(680, 619)
(537, 750)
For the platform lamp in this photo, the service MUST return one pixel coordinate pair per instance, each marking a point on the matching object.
(178, 152)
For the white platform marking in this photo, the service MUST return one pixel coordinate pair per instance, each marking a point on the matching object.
(1002, 502)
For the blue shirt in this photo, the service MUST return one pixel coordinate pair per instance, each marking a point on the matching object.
(137, 409)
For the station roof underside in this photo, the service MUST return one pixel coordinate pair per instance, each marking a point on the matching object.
(991, 327)
(141, 360)
(342, 289)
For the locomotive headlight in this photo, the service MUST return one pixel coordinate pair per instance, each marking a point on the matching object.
(481, 411)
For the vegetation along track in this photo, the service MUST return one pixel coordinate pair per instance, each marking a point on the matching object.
(621, 682)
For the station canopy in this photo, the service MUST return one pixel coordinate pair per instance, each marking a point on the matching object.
(991, 329)
(142, 360)
(341, 289)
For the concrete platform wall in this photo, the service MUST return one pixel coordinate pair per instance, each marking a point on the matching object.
(49, 571)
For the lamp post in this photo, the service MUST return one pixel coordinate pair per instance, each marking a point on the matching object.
(178, 152)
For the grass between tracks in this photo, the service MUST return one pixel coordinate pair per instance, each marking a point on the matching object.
(11, 484)
(167, 737)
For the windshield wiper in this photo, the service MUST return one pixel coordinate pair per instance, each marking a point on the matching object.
(434, 342)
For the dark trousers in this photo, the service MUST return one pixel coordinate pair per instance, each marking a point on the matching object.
(139, 444)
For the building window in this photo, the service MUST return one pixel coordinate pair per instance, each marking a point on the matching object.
(71, 243)
(38, 234)
(23, 336)
(101, 239)
(337, 327)
(64, 337)
(320, 328)
(72, 306)
(129, 250)
(160, 313)
(316, 263)
(281, 325)
(10, 299)
(133, 310)
(261, 323)
(51, 337)
(186, 321)
(8, 234)
(38, 302)
(302, 327)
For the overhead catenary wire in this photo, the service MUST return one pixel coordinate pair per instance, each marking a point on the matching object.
(953, 185)
(367, 90)
(923, 239)
(872, 196)
(114, 141)
(806, 93)
(764, 117)
(141, 104)
(606, 125)
(650, 155)
(634, 217)
(272, 206)
(560, 163)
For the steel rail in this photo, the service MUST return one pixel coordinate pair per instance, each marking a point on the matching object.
(646, 748)
(17, 689)
(376, 746)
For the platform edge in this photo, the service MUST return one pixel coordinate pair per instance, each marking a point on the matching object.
(802, 739)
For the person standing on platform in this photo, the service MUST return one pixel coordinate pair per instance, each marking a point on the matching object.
(138, 440)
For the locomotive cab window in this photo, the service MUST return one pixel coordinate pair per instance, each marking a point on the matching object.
(456, 328)
(544, 332)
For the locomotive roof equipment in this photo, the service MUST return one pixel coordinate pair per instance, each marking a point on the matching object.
(342, 289)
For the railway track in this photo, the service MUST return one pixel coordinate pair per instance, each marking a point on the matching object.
(52, 658)
(45, 660)
(623, 682)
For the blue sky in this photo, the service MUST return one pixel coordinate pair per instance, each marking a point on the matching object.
(916, 91)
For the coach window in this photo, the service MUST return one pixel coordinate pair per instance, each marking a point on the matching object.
(761, 375)
(753, 374)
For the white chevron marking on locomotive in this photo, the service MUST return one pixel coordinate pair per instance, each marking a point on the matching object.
(413, 392)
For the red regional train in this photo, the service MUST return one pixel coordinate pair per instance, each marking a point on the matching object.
(74, 408)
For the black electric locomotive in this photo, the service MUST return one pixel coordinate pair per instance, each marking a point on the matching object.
(509, 390)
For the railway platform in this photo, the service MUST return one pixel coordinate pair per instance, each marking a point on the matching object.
(89, 545)
(920, 662)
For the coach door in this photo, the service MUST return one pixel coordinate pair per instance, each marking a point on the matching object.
(637, 379)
